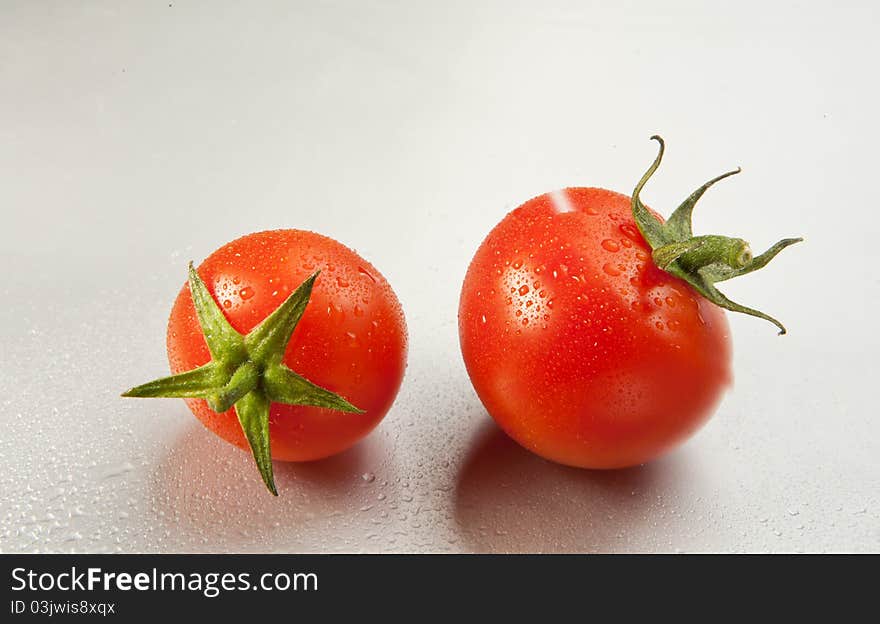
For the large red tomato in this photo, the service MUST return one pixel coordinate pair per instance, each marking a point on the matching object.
(580, 347)
(287, 343)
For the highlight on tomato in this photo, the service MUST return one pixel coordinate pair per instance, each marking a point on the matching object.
(286, 343)
(593, 330)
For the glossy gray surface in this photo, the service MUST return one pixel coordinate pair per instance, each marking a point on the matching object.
(136, 137)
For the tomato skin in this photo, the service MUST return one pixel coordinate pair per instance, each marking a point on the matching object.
(579, 347)
(351, 340)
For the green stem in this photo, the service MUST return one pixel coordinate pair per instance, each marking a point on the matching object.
(705, 260)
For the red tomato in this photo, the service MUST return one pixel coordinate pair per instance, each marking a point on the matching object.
(579, 347)
(351, 338)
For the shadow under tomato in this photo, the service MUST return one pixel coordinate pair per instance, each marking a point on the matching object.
(510, 500)
(210, 497)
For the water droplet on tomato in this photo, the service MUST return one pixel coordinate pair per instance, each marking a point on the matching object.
(246, 293)
(630, 231)
(610, 245)
(335, 312)
(341, 282)
(611, 270)
(363, 271)
(227, 303)
(524, 289)
(358, 311)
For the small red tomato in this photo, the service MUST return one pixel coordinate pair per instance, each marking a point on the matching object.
(583, 349)
(316, 346)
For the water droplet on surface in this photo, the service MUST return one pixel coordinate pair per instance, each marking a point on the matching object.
(524, 289)
(227, 303)
(368, 477)
(246, 293)
(610, 245)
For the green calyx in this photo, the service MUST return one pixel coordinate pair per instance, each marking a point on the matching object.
(247, 372)
(701, 261)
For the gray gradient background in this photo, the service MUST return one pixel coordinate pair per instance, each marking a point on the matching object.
(137, 136)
